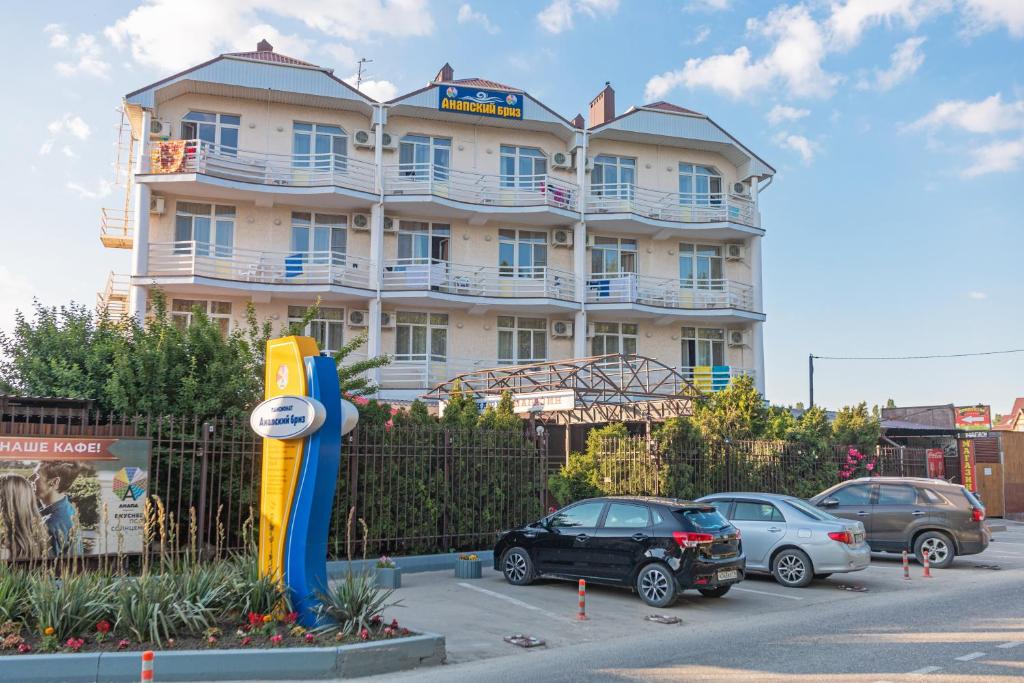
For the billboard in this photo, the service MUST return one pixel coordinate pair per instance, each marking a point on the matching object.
(973, 418)
(968, 470)
(496, 103)
(64, 496)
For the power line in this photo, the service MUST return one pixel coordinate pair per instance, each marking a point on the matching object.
(937, 355)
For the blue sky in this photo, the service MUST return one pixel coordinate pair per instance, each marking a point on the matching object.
(897, 127)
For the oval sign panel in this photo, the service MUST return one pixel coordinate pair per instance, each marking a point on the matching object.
(287, 417)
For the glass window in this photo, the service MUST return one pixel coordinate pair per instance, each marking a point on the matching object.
(422, 242)
(423, 157)
(894, 494)
(580, 515)
(522, 340)
(626, 515)
(524, 167)
(610, 256)
(809, 511)
(316, 145)
(706, 520)
(701, 266)
(218, 131)
(703, 346)
(319, 237)
(522, 253)
(614, 338)
(207, 229)
(327, 328)
(746, 511)
(219, 312)
(421, 336)
(699, 185)
(613, 176)
(857, 494)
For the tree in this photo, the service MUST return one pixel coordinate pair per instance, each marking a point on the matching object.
(737, 412)
(855, 426)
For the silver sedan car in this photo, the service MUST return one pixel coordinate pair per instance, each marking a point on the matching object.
(791, 539)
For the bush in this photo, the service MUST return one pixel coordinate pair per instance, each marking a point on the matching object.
(70, 605)
(354, 603)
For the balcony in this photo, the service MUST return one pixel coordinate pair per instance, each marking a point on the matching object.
(688, 294)
(439, 191)
(259, 270)
(113, 300)
(631, 208)
(206, 170)
(417, 275)
(116, 228)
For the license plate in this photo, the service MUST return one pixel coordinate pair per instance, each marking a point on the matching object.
(728, 575)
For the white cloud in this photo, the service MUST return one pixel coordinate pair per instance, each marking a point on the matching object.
(849, 20)
(467, 15)
(906, 59)
(558, 16)
(84, 56)
(153, 32)
(987, 15)
(45, 148)
(702, 35)
(977, 296)
(707, 5)
(68, 152)
(997, 157)
(382, 91)
(990, 115)
(102, 189)
(71, 124)
(58, 37)
(344, 56)
(781, 112)
(799, 144)
(15, 293)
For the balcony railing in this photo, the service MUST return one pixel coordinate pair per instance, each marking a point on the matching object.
(479, 188)
(268, 267)
(116, 228)
(261, 168)
(691, 294)
(113, 300)
(713, 377)
(694, 207)
(492, 281)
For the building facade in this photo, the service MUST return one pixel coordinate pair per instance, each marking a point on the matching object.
(461, 226)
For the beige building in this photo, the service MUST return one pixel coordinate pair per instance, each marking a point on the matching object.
(460, 226)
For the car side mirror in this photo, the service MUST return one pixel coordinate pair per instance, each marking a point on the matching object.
(829, 503)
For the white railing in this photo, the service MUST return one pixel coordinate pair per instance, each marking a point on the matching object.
(113, 300)
(248, 265)
(694, 207)
(480, 188)
(494, 281)
(713, 377)
(422, 371)
(669, 292)
(261, 168)
(116, 228)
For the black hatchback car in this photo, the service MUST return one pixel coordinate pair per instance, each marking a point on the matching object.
(657, 546)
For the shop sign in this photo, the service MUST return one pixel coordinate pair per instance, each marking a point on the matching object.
(287, 417)
(968, 471)
(936, 463)
(973, 418)
(495, 103)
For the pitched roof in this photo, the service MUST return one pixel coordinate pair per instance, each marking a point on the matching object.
(668, 106)
(1009, 420)
(265, 53)
(482, 83)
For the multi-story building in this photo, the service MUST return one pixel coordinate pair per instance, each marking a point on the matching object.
(460, 226)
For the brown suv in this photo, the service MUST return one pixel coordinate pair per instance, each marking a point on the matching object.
(903, 513)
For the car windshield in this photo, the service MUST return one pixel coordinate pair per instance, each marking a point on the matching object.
(810, 511)
(707, 519)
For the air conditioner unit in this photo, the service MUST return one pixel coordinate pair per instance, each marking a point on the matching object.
(387, 321)
(588, 165)
(590, 241)
(156, 204)
(738, 338)
(159, 128)
(561, 160)
(360, 221)
(364, 138)
(591, 330)
(358, 318)
(561, 328)
(741, 189)
(735, 252)
(562, 237)
(388, 142)
(391, 224)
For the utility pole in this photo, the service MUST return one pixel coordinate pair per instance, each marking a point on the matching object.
(359, 73)
(810, 379)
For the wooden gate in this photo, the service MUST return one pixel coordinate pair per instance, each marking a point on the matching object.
(1013, 473)
(989, 475)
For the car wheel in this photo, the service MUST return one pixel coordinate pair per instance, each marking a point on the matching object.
(517, 567)
(822, 576)
(792, 568)
(714, 592)
(656, 585)
(938, 546)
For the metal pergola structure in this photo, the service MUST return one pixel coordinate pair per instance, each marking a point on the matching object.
(611, 388)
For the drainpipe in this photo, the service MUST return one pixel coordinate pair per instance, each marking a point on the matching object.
(579, 249)
(140, 222)
(376, 240)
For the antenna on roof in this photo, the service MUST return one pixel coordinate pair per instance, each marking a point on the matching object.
(359, 73)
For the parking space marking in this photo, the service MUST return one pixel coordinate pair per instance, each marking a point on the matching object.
(774, 595)
(924, 671)
(1012, 643)
(519, 603)
(967, 658)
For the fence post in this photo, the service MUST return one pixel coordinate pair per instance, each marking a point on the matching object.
(727, 459)
(446, 458)
(653, 457)
(203, 474)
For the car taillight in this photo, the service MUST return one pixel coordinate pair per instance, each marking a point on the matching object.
(690, 539)
(977, 514)
(841, 536)
(738, 535)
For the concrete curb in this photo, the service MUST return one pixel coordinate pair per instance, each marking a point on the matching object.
(997, 527)
(410, 564)
(300, 663)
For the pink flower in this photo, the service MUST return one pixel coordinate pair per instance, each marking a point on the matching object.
(394, 411)
(310, 637)
(74, 644)
(844, 475)
(364, 634)
(290, 618)
(276, 639)
(852, 451)
(870, 466)
(361, 400)
(247, 640)
(24, 648)
(123, 644)
(860, 456)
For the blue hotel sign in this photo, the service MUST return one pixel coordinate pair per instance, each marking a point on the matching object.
(496, 103)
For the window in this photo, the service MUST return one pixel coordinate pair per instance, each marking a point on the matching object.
(699, 185)
(522, 340)
(220, 131)
(746, 511)
(422, 242)
(421, 336)
(721, 505)
(703, 346)
(808, 511)
(626, 516)
(612, 256)
(582, 515)
(319, 237)
(700, 266)
(326, 328)
(705, 520)
(889, 494)
(523, 167)
(208, 228)
(522, 253)
(613, 176)
(183, 310)
(315, 145)
(858, 494)
(614, 338)
(422, 157)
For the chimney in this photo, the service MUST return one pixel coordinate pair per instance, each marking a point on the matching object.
(578, 123)
(264, 46)
(446, 74)
(602, 107)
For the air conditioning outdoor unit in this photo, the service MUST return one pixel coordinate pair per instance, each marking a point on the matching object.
(591, 330)
(360, 221)
(391, 224)
(387, 320)
(358, 318)
(388, 142)
(735, 252)
(588, 164)
(562, 237)
(741, 189)
(738, 338)
(364, 138)
(159, 128)
(590, 241)
(156, 204)
(561, 328)
(561, 160)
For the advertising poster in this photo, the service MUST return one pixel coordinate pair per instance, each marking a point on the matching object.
(64, 496)
(967, 468)
(936, 463)
(973, 418)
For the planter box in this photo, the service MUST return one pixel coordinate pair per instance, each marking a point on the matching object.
(468, 569)
(389, 578)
